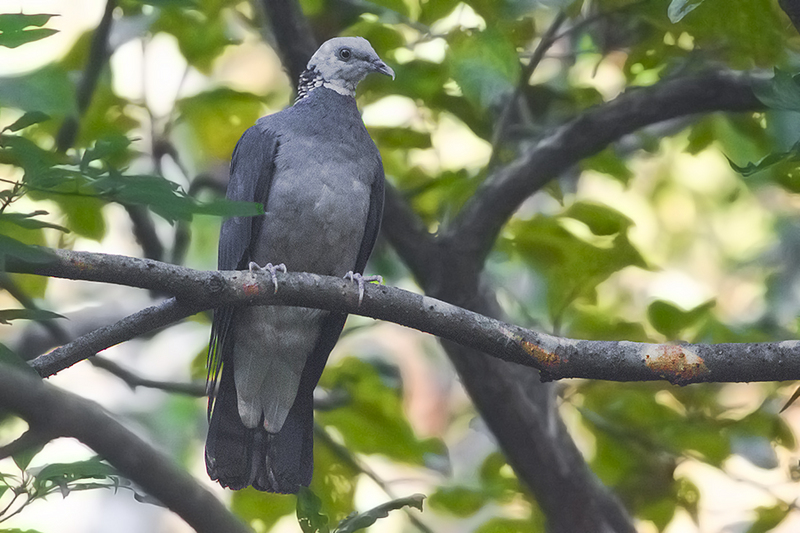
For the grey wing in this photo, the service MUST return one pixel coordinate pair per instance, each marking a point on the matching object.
(252, 167)
(374, 217)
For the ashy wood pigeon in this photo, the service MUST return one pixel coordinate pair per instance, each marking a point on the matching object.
(320, 178)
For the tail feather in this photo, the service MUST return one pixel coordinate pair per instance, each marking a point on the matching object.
(238, 456)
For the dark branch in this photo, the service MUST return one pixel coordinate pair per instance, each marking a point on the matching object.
(555, 357)
(295, 40)
(28, 440)
(145, 321)
(547, 40)
(792, 8)
(64, 414)
(134, 380)
(478, 224)
(408, 234)
(98, 57)
(345, 456)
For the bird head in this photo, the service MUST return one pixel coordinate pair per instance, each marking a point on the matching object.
(341, 63)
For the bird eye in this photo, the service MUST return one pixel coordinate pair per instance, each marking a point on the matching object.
(344, 54)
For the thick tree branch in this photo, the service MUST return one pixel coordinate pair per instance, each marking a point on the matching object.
(296, 42)
(555, 357)
(408, 234)
(61, 413)
(475, 229)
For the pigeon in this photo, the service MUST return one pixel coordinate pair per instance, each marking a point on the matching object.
(320, 178)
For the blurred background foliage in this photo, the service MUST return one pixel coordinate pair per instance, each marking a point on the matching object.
(684, 231)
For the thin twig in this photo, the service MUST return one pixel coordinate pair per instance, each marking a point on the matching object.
(545, 43)
(98, 57)
(134, 380)
(346, 457)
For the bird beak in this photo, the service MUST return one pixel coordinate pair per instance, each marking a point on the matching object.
(383, 68)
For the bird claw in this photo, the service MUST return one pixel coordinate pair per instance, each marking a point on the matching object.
(272, 269)
(361, 280)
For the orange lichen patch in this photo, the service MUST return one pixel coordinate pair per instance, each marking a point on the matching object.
(251, 289)
(674, 363)
(545, 358)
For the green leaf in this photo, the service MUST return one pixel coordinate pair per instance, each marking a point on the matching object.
(202, 34)
(26, 220)
(458, 501)
(28, 245)
(485, 65)
(608, 163)
(15, 29)
(107, 148)
(680, 8)
(26, 252)
(400, 138)
(601, 219)
(782, 91)
(174, 3)
(783, 168)
(6, 315)
(497, 478)
(28, 119)
(48, 90)
(309, 517)
(591, 323)
(374, 405)
(660, 512)
(108, 116)
(367, 518)
(573, 266)
(768, 518)
(68, 477)
(218, 118)
(34, 160)
(84, 215)
(702, 134)
(506, 525)
(262, 508)
(23, 458)
(10, 358)
(336, 476)
(670, 320)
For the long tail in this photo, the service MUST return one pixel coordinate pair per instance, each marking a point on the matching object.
(238, 456)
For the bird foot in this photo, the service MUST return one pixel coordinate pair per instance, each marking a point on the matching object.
(361, 280)
(269, 267)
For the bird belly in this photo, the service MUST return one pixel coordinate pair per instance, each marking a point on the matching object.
(271, 346)
(315, 228)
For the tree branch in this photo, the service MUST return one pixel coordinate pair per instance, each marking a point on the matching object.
(134, 380)
(98, 57)
(792, 9)
(547, 40)
(555, 357)
(56, 412)
(85, 346)
(480, 221)
(408, 234)
(296, 42)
